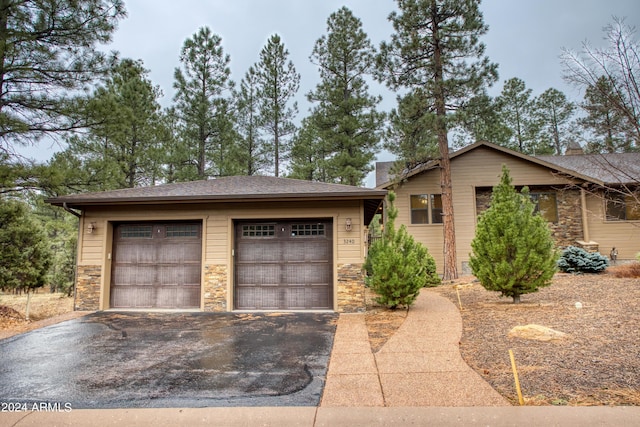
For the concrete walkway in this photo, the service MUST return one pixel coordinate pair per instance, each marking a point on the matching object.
(420, 365)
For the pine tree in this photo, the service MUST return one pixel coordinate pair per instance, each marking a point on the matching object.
(122, 148)
(398, 266)
(251, 151)
(517, 112)
(278, 83)
(309, 154)
(619, 64)
(24, 255)
(436, 48)
(603, 121)
(512, 251)
(481, 121)
(410, 135)
(554, 114)
(48, 51)
(345, 114)
(202, 106)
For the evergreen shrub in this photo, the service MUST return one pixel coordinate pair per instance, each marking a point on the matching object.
(513, 251)
(577, 260)
(397, 266)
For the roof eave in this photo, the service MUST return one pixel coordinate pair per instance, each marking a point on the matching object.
(120, 201)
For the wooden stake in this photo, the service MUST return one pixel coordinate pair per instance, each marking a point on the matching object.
(459, 302)
(515, 376)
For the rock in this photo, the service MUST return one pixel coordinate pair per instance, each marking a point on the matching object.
(536, 332)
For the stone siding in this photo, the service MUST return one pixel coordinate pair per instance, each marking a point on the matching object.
(350, 288)
(215, 288)
(88, 288)
(588, 246)
(568, 230)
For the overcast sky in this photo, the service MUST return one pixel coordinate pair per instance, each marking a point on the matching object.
(525, 37)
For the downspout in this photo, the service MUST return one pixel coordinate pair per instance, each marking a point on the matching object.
(585, 223)
(71, 211)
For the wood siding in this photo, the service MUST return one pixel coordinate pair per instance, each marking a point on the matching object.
(623, 235)
(481, 167)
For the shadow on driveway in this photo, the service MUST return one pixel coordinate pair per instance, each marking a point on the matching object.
(136, 360)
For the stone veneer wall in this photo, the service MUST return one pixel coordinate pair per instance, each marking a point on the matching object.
(88, 288)
(215, 288)
(568, 230)
(350, 288)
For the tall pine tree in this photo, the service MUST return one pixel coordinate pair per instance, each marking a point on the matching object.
(603, 122)
(435, 47)
(345, 115)
(121, 150)
(203, 88)
(309, 154)
(517, 112)
(555, 116)
(48, 50)
(278, 83)
(252, 155)
(512, 251)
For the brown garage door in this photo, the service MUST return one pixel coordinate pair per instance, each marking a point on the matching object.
(156, 265)
(284, 265)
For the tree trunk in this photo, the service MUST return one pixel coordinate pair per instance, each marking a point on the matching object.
(26, 315)
(450, 259)
(516, 299)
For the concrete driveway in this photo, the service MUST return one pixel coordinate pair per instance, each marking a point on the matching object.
(137, 360)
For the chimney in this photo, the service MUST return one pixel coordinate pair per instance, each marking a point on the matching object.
(573, 149)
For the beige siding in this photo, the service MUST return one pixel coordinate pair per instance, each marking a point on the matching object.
(623, 235)
(95, 249)
(481, 167)
(218, 220)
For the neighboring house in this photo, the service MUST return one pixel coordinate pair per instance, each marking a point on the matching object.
(234, 243)
(586, 199)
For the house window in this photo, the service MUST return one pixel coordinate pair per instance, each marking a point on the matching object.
(622, 207)
(426, 209)
(546, 205)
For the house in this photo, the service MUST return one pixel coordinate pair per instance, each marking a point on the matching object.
(234, 243)
(586, 199)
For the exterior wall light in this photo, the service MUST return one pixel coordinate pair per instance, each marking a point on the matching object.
(347, 224)
(91, 227)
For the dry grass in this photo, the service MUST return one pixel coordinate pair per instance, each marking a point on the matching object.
(43, 306)
(631, 270)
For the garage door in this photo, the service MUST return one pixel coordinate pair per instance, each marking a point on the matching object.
(284, 265)
(156, 265)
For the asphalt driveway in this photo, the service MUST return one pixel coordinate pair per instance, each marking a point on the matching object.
(137, 360)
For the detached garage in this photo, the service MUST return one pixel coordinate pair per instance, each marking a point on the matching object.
(234, 243)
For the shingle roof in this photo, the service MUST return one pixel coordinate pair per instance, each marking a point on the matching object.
(602, 169)
(226, 189)
(611, 169)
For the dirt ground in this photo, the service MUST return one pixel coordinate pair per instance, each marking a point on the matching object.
(597, 362)
(43, 307)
